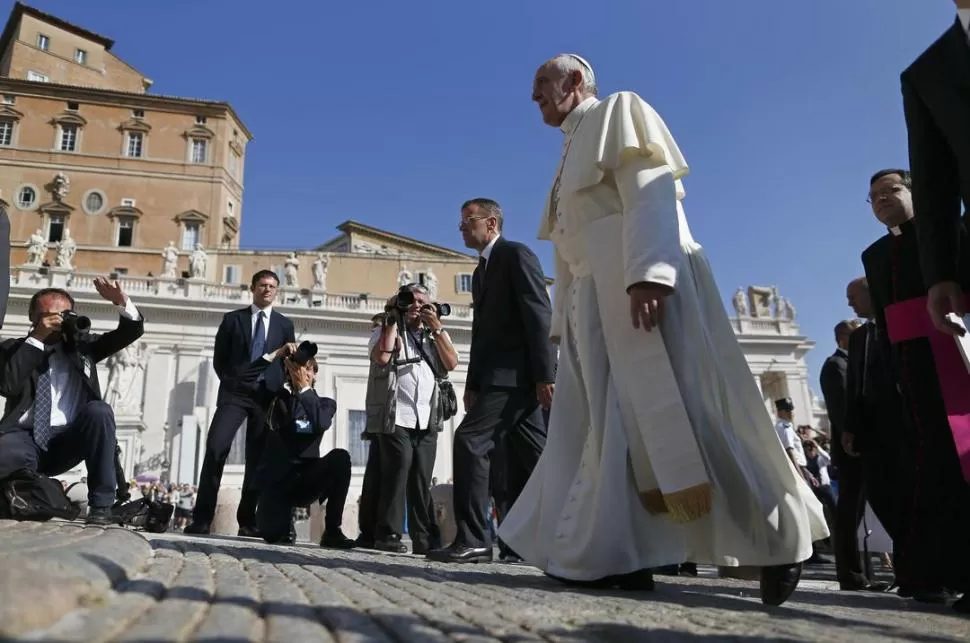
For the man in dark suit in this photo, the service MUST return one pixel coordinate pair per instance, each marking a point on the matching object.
(55, 417)
(873, 430)
(4, 260)
(936, 100)
(511, 373)
(291, 472)
(243, 337)
(851, 504)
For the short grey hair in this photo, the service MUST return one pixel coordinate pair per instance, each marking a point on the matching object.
(569, 63)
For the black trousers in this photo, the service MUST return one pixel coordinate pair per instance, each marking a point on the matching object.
(370, 492)
(228, 418)
(407, 462)
(325, 480)
(506, 416)
(89, 439)
(848, 516)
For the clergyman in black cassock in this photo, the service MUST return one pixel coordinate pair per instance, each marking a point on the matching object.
(935, 545)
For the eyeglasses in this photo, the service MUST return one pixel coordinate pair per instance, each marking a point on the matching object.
(464, 222)
(875, 196)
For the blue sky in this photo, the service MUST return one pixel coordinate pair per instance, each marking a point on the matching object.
(393, 113)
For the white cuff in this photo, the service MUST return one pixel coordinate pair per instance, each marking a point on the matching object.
(36, 343)
(128, 311)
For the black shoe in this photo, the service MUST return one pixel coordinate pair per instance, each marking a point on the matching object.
(859, 583)
(336, 540)
(688, 569)
(461, 554)
(420, 549)
(667, 570)
(364, 542)
(963, 605)
(640, 580)
(931, 596)
(391, 544)
(197, 528)
(101, 516)
(246, 531)
(778, 583)
(819, 559)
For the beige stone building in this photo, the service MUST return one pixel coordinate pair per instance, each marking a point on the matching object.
(86, 152)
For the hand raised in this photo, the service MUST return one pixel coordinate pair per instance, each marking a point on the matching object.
(110, 290)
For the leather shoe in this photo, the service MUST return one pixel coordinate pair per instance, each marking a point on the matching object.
(245, 531)
(391, 544)
(963, 605)
(461, 554)
(364, 542)
(931, 596)
(197, 528)
(778, 583)
(102, 516)
(859, 583)
(336, 540)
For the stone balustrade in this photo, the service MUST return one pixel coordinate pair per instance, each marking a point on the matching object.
(199, 290)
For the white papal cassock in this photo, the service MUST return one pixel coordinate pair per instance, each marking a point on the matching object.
(659, 449)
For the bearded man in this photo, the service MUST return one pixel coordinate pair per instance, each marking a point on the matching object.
(660, 448)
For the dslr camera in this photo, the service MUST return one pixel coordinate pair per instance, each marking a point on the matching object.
(405, 299)
(74, 325)
(304, 352)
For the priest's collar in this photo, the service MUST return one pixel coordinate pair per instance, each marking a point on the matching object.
(903, 228)
(572, 119)
(964, 16)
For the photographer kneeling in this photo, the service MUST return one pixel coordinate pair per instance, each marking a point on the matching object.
(409, 399)
(291, 472)
(55, 417)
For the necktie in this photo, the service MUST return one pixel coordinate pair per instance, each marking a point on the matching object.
(480, 273)
(43, 432)
(256, 348)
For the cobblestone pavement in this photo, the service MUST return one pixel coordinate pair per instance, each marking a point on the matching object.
(66, 582)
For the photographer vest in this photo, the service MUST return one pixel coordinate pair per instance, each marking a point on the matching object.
(381, 397)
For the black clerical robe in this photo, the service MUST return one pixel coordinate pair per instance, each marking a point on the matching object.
(939, 523)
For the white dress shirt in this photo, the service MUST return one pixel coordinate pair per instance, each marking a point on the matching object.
(964, 16)
(415, 382)
(487, 250)
(254, 312)
(790, 440)
(66, 383)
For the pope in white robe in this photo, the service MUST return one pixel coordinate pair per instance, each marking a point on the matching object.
(660, 448)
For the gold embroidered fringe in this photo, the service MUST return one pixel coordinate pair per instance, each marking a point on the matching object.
(681, 506)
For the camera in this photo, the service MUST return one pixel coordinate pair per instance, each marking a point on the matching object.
(73, 324)
(405, 299)
(304, 353)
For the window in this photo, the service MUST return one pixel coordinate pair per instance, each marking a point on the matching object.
(72, 106)
(200, 120)
(80, 56)
(230, 208)
(200, 148)
(43, 42)
(6, 132)
(356, 424)
(134, 147)
(55, 228)
(230, 274)
(421, 277)
(9, 99)
(191, 235)
(26, 198)
(463, 282)
(33, 75)
(128, 203)
(126, 232)
(138, 113)
(93, 202)
(68, 142)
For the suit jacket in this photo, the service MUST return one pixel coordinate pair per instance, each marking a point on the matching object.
(296, 424)
(833, 381)
(4, 262)
(231, 358)
(936, 101)
(510, 329)
(21, 364)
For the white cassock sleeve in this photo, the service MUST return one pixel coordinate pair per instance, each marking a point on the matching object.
(652, 248)
(563, 281)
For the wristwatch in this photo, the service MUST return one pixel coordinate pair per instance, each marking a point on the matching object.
(436, 332)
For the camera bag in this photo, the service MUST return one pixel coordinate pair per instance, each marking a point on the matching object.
(28, 495)
(150, 515)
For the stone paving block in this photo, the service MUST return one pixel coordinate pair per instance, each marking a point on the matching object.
(232, 589)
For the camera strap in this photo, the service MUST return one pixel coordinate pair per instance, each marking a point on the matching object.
(419, 344)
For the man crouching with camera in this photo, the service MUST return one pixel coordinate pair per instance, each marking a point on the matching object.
(291, 472)
(409, 399)
(55, 417)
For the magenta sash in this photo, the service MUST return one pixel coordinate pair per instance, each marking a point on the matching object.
(908, 320)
